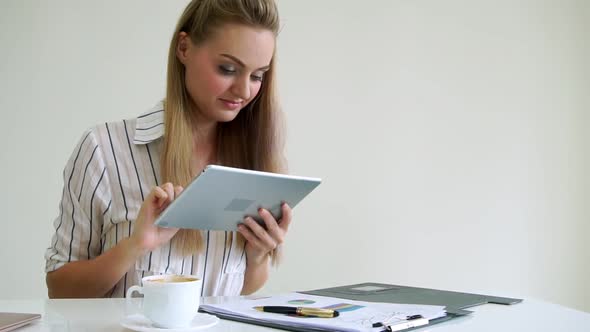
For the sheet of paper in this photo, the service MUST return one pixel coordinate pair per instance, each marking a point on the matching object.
(354, 315)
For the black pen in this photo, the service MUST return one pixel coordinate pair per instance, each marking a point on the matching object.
(300, 311)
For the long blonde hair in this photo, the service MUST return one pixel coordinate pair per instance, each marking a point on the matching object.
(253, 140)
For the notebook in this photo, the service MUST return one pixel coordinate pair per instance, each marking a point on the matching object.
(10, 320)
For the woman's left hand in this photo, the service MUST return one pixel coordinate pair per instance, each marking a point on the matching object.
(260, 241)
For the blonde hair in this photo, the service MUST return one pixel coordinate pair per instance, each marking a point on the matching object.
(253, 140)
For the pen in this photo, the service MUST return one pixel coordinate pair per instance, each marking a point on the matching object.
(300, 311)
(409, 322)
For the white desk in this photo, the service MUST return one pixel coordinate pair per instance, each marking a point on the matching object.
(105, 314)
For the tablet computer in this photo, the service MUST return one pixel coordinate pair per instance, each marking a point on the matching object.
(220, 197)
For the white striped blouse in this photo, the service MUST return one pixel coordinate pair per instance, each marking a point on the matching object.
(111, 171)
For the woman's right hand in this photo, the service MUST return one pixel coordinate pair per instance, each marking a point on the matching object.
(147, 236)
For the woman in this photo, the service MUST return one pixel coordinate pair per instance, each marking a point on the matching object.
(220, 108)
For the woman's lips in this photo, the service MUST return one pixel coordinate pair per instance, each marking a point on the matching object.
(231, 104)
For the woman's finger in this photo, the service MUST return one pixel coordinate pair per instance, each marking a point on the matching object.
(160, 196)
(265, 239)
(177, 191)
(169, 188)
(286, 217)
(272, 227)
(249, 236)
(257, 229)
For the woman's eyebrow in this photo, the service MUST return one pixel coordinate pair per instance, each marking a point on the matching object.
(239, 62)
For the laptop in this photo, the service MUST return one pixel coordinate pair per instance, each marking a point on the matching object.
(10, 321)
(220, 197)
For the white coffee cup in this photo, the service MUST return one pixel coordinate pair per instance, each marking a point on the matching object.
(169, 301)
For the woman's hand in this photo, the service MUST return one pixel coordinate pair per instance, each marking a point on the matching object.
(147, 236)
(260, 241)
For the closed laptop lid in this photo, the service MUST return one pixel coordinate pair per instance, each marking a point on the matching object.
(10, 320)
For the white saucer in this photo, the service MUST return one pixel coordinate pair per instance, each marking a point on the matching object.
(140, 323)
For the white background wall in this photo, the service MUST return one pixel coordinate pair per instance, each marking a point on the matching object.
(450, 135)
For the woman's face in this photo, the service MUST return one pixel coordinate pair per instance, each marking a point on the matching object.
(225, 72)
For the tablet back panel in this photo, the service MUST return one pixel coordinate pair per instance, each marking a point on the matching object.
(221, 197)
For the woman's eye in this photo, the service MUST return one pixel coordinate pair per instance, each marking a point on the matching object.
(227, 70)
(257, 77)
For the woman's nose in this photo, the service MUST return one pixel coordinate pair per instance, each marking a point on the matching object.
(241, 88)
